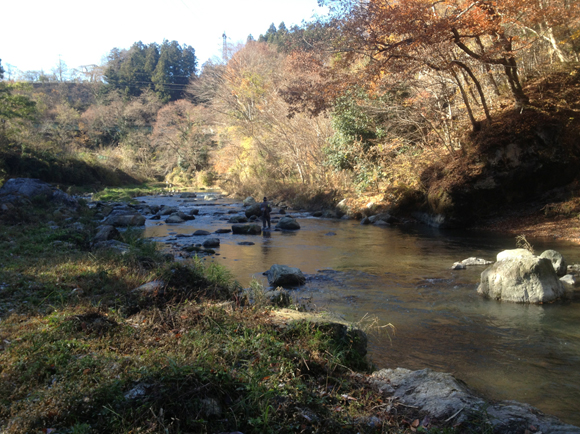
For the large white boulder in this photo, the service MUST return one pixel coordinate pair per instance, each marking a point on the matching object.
(525, 279)
(513, 253)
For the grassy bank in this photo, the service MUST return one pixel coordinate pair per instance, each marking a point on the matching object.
(82, 351)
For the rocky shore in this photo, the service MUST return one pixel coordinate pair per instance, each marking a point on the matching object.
(430, 398)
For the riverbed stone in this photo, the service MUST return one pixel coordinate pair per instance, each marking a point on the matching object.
(288, 223)
(201, 232)
(247, 229)
(168, 210)
(238, 219)
(445, 398)
(526, 279)
(187, 195)
(475, 261)
(253, 210)
(184, 216)
(174, 218)
(248, 201)
(283, 275)
(211, 242)
(125, 220)
(513, 253)
(558, 261)
(222, 231)
(383, 217)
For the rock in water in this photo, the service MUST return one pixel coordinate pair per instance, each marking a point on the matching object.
(558, 261)
(247, 229)
(288, 223)
(527, 279)
(283, 275)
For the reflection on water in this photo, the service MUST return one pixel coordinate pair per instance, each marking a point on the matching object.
(528, 353)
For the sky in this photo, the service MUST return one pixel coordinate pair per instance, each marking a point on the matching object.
(35, 34)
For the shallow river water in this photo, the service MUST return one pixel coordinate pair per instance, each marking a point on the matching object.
(402, 276)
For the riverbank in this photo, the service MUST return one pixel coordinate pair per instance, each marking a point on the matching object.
(86, 348)
(536, 225)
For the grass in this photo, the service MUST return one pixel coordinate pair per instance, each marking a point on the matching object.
(81, 351)
(127, 194)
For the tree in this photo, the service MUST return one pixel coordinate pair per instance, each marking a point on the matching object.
(436, 35)
(181, 139)
(166, 69)
(175, 67)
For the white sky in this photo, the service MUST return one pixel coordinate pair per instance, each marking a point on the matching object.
(33, 33)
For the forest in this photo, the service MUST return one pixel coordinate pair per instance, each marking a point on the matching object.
(392, 102)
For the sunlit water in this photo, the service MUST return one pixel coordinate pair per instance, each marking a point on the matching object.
(402, 276)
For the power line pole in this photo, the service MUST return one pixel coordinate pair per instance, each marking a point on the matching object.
(225, 48)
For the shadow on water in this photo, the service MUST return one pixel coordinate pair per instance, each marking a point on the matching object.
(402, 275)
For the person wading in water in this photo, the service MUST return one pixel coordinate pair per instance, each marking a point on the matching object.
(265, 208)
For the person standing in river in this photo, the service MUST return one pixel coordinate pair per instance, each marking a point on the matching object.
(265, 208)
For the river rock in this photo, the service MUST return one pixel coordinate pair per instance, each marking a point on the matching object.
(238, 219)
(222, 231)
(253, 210)
(365, 221)
(125, 220)
(278, 297)
(105, 233)
(211, 242)
(201, 232)
(470, 262)
(383, 217)
(194, 211)
(187, 195)
(558, 261)
(513, 253)
(444, 398)
(247, 229)
(288, 223)
(184, 216)
(18, 189)
(475, 261)
(168, 210)
(283, 275)
(570, 280)
(249, 201)
(174, 218)
(526, 279)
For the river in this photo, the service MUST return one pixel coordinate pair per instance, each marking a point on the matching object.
(402, 276)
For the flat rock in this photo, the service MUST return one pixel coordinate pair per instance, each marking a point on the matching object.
(222, 231)
(201, 232)
(445, 398)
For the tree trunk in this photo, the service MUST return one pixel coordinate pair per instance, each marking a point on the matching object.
(477, 86)
(474, 123)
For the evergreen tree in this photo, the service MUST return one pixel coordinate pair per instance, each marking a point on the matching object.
(165, 69)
